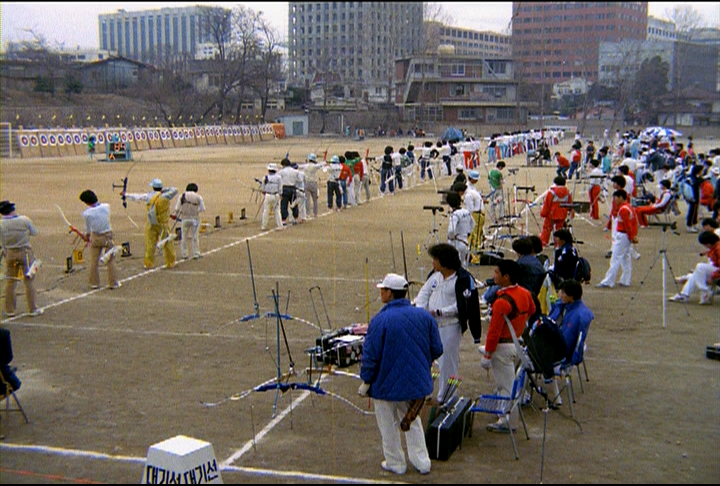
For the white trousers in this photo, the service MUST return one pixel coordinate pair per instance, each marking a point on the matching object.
(503, 366)
(449, 362)
(620, 259)
(388, 416)
(190, 242)
(698, 279)
(271, 204)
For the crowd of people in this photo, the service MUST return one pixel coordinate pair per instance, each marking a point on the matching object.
(406, 337)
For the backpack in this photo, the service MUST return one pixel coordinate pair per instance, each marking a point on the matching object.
(686, 189)
(583, 271)
(545, 345)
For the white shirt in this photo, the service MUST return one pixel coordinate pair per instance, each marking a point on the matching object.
(97, 218)
(473, 199)
(289, 176)
(460, 225)
(439, 293)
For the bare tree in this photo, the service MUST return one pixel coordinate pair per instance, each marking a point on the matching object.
(686, 19)
(268, 63)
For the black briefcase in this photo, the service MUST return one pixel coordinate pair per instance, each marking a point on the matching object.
(452, 422)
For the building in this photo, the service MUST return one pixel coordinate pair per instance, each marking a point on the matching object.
(661, 30)
(468, 42)
(112, 74)
(689, 64)
(357, 41)
(557, 41)
(156, 36)
(446, 87)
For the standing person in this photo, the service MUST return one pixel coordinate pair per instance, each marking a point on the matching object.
(694, 179)
(100, 239)
(575, 159)
(387, 172)
(156, 226)
(346, 176)
(188, 208)
(499, 354)
(624, 233)
(365, 179)
(15, 233)
(704, 273)
(312, 191)
(496, 196)
(451, 296)
(333, 184)
(289, 176)
(271, 187)
(474, 203)
(401, 343)
(554, 208)
(460, 225)
(596, 177)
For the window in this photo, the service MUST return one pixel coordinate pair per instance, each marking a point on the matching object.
(468, 114)
(457, 70)
(458, 90)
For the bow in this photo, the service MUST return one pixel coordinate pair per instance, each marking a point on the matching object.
(73, 229)
(123, 197)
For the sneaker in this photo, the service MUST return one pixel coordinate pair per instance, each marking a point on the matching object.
(692, 229)
(37, 312)
(636, 255)
(499, 427)
(705, 298)
(8, 314)
(196, 257)
(116, 286)
(385, 467)
(678, 298)
(623, 285)
(602, 285)
(94, 287)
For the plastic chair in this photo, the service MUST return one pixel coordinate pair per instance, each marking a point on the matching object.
(502, 406)
(7, 393)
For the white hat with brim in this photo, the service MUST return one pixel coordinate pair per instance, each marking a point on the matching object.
(156, 184)
(393, 281)
(272, 167)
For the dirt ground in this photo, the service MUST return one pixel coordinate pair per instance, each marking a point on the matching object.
(106, 374)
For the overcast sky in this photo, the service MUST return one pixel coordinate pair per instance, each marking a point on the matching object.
(76, 24)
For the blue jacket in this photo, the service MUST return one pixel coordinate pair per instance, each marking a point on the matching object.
(577, 319)
(401, 343)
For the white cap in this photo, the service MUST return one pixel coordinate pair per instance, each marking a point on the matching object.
(156, 184)
(312, 157)
(272, 167)
(459, 167)
(393, 281)
(334, 159)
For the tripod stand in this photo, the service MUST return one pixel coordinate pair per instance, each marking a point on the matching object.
(431, 239)
(662, 253)
(527, 207)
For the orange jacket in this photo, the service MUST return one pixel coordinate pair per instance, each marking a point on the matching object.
(551, 207)
(563, 161)
(706, 194)
(627, 220)
(501, 307)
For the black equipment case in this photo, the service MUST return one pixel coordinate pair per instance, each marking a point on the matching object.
(452, 422)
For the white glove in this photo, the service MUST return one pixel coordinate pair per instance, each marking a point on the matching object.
(363, 390)
(481, 284)
(485, 362)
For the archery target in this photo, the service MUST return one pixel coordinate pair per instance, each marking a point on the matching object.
(24, 140)
(84, 138)
(60, 140)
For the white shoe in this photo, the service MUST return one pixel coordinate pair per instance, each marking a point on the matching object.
(37, 312)
(705, 298)
(678, 298)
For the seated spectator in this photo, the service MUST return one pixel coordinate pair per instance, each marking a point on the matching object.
(705, 272)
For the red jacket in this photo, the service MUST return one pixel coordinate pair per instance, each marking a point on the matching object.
(556, 196)
(627, 220)
(706, 194)
(563, 161)
(501, 307)
(714, 256)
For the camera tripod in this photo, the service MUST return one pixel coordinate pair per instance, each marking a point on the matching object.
(662, 253)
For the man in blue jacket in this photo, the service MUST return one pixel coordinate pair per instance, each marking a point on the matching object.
(401, 343)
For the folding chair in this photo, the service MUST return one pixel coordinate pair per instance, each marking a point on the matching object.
(7, 392)
(564, 372)
(502, 406)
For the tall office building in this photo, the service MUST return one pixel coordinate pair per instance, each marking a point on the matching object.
(354, 43)
(557, 41)
(155, 36)
(478, 43)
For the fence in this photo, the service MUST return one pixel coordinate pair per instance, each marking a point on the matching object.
(6, 141)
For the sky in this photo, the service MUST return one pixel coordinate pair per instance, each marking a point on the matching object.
(74, 24)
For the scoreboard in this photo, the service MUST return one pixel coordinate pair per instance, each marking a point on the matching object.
(117, 150)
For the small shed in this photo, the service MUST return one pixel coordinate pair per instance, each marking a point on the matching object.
(295, 125)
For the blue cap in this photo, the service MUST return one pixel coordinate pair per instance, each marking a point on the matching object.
(156, 184)
(473, 174)
(334, 159)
